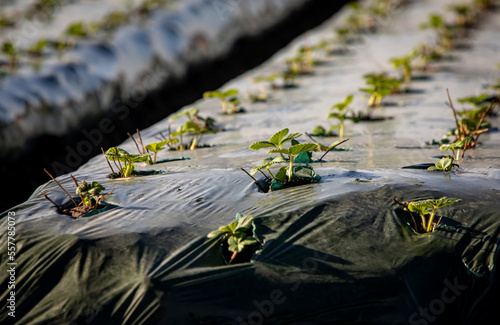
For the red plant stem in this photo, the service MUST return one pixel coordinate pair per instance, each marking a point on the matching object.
(107, 161)
(57, 206)
(118, 158)
(60, 186)
(333, 148)
(76, 184)
(233, 257)
(253, 180)
(482, 119)
(136, 145)
(140, 138)
(264, 174)
(459, 125)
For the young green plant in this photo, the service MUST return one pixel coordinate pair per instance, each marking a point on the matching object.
(403, 65)
(156, 147)
(443, 32)
(340, 111)
(381, 86)
(427, 210)
(238, 235)
(90, 195)
(468, 130)
(116, 154)
(223, 96)
(12, 53)
(444, 164)
(277, 142)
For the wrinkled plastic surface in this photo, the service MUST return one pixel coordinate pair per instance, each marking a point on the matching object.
(339, 243)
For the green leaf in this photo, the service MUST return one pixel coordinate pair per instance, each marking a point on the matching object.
(192, 127)
(236, 242)
(306, 172)
(368, 90)
(281, 174)
(244, 223)
(319, 131)
(87, 201)
(152, 147)
(337, 116)
(261, 145)
(445, 201)
(117, 154)
(229, 228)
(291, 136)
(266, 163)
(216, 234)
(230, 93)
(140, 158)
(303, 147)
(304, 158)
(189, 113)
(445, 164)
(334, 145)
(278, 159)
(212, 94)
(423, 206)
(344, 104)
(278, 136)
(280, 151)
(249, 241)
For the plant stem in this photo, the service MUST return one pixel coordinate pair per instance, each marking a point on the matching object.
(430, 220)
(269, 171)
(459, 125)
(193, 144)
(140, 138)
(371, 101)
(61, 187)
(290, 168)
(481, 121)
(233, 257)
(341, 131)
(128, 168)
(255, 181)
(118, 158)
(76, 184)
(154, 157)
(136, 145)
(333, 147)
(265, 174)
(423, 220)
(310, 137)
(224, 106)
(107, 161)
(57, 206)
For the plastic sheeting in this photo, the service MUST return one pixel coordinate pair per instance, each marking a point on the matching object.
(333, 252)
(336, 251)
